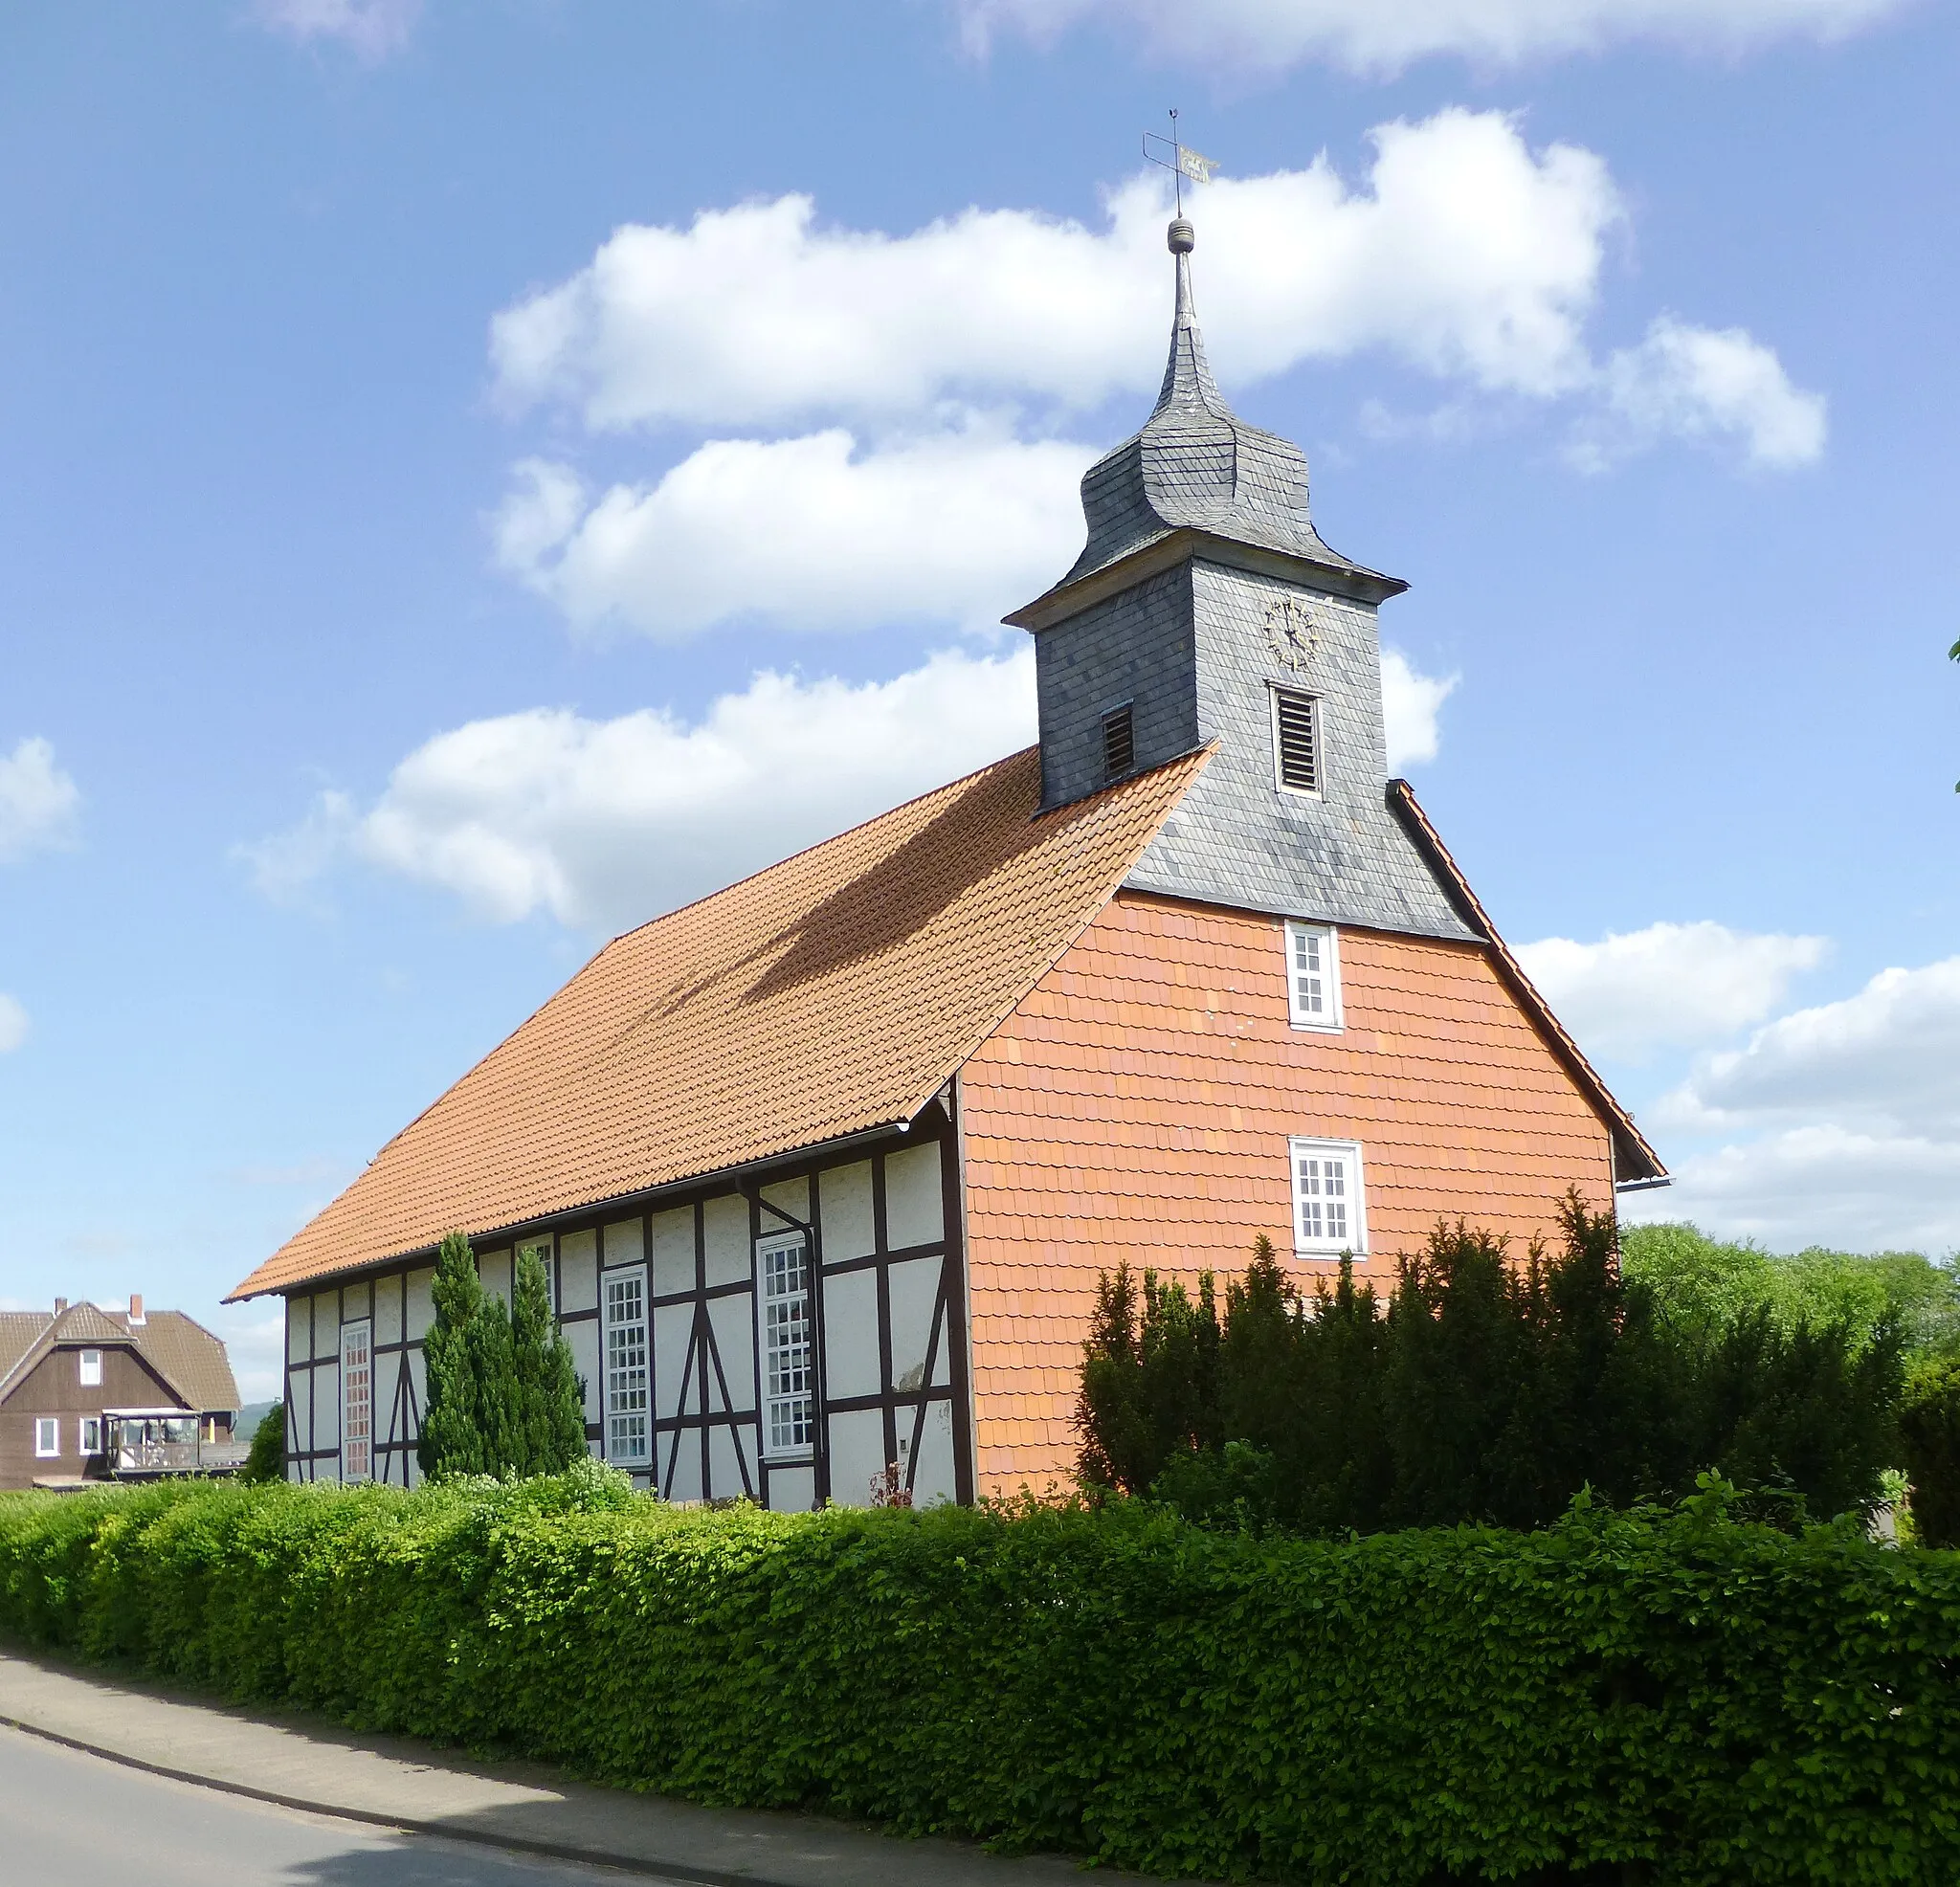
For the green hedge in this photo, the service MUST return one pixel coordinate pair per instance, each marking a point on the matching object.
(1697, 1698)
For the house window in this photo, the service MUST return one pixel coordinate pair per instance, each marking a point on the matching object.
(1329, 1214)
(91, 1370)
(1119, 743)
(47, 1435)
(629, 1378)
(541, 1250)
(357, 1401)
(91, 1435)
(1295, 741)
(788, 1357)
(1313, 976)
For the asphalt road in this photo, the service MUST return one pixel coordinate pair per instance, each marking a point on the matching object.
(72, 1820)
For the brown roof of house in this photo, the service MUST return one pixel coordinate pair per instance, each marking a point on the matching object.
(1633, 1158)
(189, 1358)
(830, 994)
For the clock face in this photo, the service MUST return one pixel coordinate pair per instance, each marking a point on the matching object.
(1292, 633)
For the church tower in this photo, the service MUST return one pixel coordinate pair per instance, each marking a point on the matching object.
(1206, 610)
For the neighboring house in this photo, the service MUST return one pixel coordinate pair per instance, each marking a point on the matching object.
(823, 1168)
(87, 1394)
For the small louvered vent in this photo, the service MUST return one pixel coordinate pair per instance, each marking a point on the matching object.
(1296, 732)
(1119, 744)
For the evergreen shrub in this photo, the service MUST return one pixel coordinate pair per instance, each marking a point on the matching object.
(1487, 1388)
(1660, 1695)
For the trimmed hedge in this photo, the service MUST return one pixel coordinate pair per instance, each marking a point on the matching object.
(1664, 1694)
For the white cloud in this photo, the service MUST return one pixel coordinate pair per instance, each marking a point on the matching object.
(372, 30)
(1887, 1060)
(1680, 985)
(38, 802)
(1368, 36)
(255, 1340)
(810, 533)
(1708, 386)
(605, 823)
(287, 866)
(1411, 703)
(1464, 252)
(1819, 1185)
(12, 1025)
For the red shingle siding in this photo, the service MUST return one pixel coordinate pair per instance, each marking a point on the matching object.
(1138, 1102)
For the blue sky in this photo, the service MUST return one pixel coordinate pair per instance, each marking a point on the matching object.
(477, 476)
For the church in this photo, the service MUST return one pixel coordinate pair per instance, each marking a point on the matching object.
(824, 1167)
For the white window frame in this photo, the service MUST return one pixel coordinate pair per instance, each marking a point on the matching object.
(1307, 1190)
(777, 1344)
(47, 1437)
(626, 1366)
(1328, 1021)
(1315, 707)
(357, 1414)
(89, 1435)
(90, 1366)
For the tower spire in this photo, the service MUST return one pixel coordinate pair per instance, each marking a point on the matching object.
(1187, 374)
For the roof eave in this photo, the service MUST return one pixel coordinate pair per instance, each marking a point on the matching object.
(1184, 542)
(1636, 1166)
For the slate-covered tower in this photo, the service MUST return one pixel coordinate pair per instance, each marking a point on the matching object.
(1205, 608)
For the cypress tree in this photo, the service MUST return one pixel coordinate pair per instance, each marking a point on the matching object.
(550, 1420)
(462, 1430)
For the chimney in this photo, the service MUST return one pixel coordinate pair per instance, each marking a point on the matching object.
(60, 1304)
(136, 1306)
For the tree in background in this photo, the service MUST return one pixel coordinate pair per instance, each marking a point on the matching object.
(549, 1399)
(266, 1459)
(1930, 1423)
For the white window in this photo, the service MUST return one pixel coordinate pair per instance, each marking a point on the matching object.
(1330, 1213)
(629, 1378)
(541, 1250)
(357, 1401)
(782, 1264)
(47, 1435)
(91, 1435)
(91, 1370)
(1313, 976)
(1296, 742)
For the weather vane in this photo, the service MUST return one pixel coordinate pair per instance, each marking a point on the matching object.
(1182, 162)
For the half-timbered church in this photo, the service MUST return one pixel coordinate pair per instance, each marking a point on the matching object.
(824, 1167)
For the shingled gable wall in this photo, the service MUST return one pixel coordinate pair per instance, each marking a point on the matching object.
(1137, 1105)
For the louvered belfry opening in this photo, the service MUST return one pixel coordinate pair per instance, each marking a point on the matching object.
(1119, 743)
(1296, 730)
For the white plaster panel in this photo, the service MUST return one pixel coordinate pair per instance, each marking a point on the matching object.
(421, 1302)
(733, 1322)
(584, 1341)
(672, 1252)
(626, 1243)
(913, 1215)
(850, 1335)
(302, 1437)
(728, 1240)
(685, 1483)
(933, 1479)
(326, 1404)
(857, 1455)
(493, 1269)
(673, 1331)
(418, 1385)
(299, 1329)
(844, 1198)
(791, 1196)
(578, 1271)
(725, 1468)
(792, 1490)
(357, 1302)
(915, 1284)
(387, 1310)
(326, 1328)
